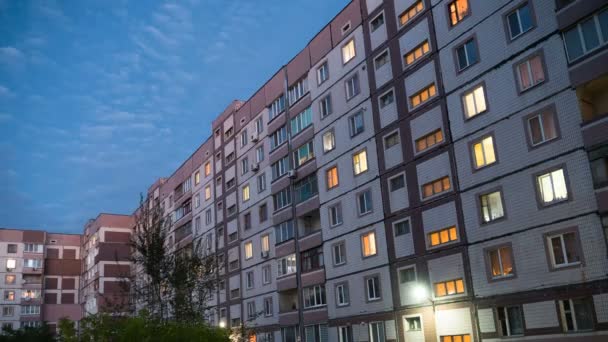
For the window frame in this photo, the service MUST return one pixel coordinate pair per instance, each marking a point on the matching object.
(415, 5)
(356, 82)
(562, 314)
(549, 109)
(473, 156)
(464, 42)
(358, 154)
(394, 225)
(430, 246)
(515, 10)
(371, 25)
(331, 132)
(327, 172)
(371, 209)
(505, 314)
(526, 59)
(354, 50)
(385, 52)
(490, 191)
(539, 201)
(390, 135)
(338, 207)
(344, 285)
(380, 106)
(488, 263)
(377, 290)
(351, 124)
(471, 90)
(364, 236)
(426, 88)
(333, 255)
(577, 245)
(449, 17)
(322, 66)
(325, 99)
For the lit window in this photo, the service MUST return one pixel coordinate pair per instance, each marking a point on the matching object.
(9, 296)
(520, 21)
(248, 250)
(413, 324)
(368, 243)
(411, 12)
(360, 162)
(9, 279)
(332, 177)
(207, 192)
(436, 187)
(246, 193)
(483, 152)
(329, 142)
(11, 264)
(459, 9)
(443, 236)
(377, 22)
(448, 288)
(364, 202)
(356, 124)
(391, 140)
(325, 106)
(197, 178)
(552, 187)
(322, 73)
(466, 54)
(429, 140)
(416, 53)
(373, 289)
(588, 35)
(542, 128)
(352, 87)
(423, 96)
(474, 102)
(501, 262)
(207, 169)
(456, 338)
(491, 207)
(530, 72)
(563, 249)
(265, 242)
(576, 314)
(381, 60)
(348, 51)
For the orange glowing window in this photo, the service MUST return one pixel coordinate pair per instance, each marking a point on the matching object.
(456, 338)
(459, 9)
(429, 140)
(417, 53)
(332, 177)
(448, 288)
(435, 187)
(443, 236)
(423, 96)
(411, 12)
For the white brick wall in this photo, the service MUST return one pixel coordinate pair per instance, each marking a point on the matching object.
(486, 320)
(540, 315)
(600, 302)
(447, 268)
(453, 322)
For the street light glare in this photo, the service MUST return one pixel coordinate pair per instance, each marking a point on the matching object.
(419, 292)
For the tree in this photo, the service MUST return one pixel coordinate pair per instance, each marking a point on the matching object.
(40, 333)
(67, 331)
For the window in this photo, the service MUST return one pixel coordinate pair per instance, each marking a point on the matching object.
(466, 54)
(520, 21)
(342, 295)
(402, 228)
(263, 212)
(511, 320)
(474, 101)
(411, 12)
(33, 263)
(197, 225)
(261, 181)
(391, 140)
(8, 311)
(456, 338)
(280, 167)
(208, 217)
(542, 128)
(360, 162)
(301, 121)
(483, 152)
(448, 288)
(11, 248)
(576, 314)
(207, 169)
(377, 22)
(197, 200)
(491, 207)
(436, 187)
(322, 73)
(332, 177)
(458, 9)
(297, 91)
(416, 53)
(30, 294)
(259, 154)
(429, 140)
(407, 275)
(312, 260)
(530, 72)
(443, 236)
(282, 199)
(397, 182)
(501, 262)
(335, 215)
(314, 296)
(552, 187)
(345, 333)
(587, 35)
(387, 98)
(348, 51)
(33, 248)
(289, 334)
(372, 285)
(30, 310)
(244, 165)
(315, 333)
(251, 315)
(329, 141)
(246, 193)
(248, 250)
(230, 183)
(244, 138)
(9, 279)
(259, 125)
(306, 188)
(276, 107)
(381, 60)
(325, 106)
(368, 244)
(356, 124)
(352, 87)
(303, 154)
(364, 202)
(278, 137)
(229, 132)
(207, 192)
(413, 323)
(563, 249)
(284, 231)
(339, 253)
(266, 275)
(268, 306)
(422, 96)
(9, 296)
(287, 265)
(265, 243)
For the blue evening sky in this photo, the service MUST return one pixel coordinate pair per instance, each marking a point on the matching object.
(99, 98)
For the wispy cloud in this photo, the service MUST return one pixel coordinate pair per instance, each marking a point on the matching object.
(10, 55)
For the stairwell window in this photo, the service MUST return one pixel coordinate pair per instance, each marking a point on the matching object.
(348, 51)
(411, 12)
(423, 96)
(381, 60)
(387, 98)
(377, 22)
(429, 140)
(416, 53)
(443, 236)
(436, 187)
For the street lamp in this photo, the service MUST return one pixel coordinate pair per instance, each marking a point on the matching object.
(222, 324)
(421, 293)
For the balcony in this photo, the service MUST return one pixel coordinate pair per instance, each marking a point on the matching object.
(288, 307)
(593, 102)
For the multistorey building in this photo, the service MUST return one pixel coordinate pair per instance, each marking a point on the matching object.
(40, 277)
(421, 170)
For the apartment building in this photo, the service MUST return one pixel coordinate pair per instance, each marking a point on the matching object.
(40, 277)
(106, 264)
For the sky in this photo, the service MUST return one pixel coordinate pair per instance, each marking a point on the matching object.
(100, 98)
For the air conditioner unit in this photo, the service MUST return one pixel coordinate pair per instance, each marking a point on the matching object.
(291, 174)
(255, 167)
(254, 137)
(264, 254)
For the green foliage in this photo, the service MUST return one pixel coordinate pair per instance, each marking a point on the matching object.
(67, 330)
(145, 328)
(38, 334)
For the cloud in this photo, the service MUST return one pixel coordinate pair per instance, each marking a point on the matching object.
(11, 55)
